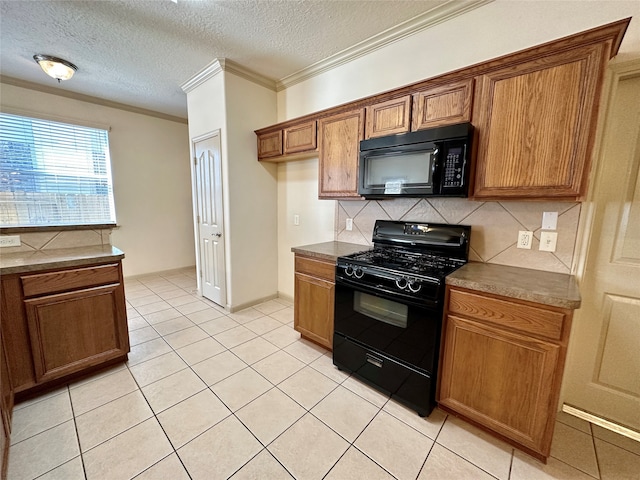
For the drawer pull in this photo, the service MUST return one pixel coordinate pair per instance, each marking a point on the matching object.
(374, 360)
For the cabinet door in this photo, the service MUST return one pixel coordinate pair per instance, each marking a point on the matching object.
(535, 124)
(313, 309)
(76, 330)
(501, 380)
(444, 105)
(339, 145)
(300, 138)
(388, 118)
(270, 145)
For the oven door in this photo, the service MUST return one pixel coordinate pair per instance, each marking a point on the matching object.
(391, 345)
(407, 333)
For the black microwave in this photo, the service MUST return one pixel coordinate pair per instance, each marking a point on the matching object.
(430, 162)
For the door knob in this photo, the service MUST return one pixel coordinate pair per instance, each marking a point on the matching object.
(216, 234)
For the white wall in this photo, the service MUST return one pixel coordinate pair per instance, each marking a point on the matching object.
(151, 184)
(237, 107)
(298, 195)
(496, 29)
(252, 192)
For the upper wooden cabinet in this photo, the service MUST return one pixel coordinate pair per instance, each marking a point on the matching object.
(288, 143)
(536, 123)
(444, 105)
(534, 113)
(388, 118)
(300, 138)
(339, 139)
(269, 145)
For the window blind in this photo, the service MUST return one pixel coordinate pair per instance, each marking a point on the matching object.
(53, 174)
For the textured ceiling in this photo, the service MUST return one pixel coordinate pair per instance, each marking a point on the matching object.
(139, 52)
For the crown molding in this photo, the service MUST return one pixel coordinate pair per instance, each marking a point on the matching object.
(433, 17)
(16, 82)
(226, 65)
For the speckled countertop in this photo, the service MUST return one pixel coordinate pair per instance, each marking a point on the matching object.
(547, 288)
(59, 258)
(330, 250)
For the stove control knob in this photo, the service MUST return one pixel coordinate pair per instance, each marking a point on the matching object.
(358, 272)
(348, 270)
(414, 285)
(401, 283)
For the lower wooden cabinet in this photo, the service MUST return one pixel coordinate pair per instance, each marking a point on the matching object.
(6, 405)
(63, 322)
(314, 299)
(502, 364)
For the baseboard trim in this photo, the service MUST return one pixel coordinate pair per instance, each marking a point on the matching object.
(601, 422)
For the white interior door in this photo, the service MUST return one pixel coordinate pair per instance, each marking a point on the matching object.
(208, 168)
(602, 375)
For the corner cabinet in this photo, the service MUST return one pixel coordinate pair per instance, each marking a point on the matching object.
(536, 125)
(339, 139)
(63, 322)
(314, 299)
(502, 363)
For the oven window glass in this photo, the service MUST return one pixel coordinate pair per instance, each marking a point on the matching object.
(381, 309)
(384, 171)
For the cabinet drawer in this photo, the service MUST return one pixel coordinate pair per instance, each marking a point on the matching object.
(516, 316)
(316, 268)
(65, 280)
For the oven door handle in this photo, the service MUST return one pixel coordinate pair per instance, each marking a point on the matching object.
(375, 361)
(383, 293)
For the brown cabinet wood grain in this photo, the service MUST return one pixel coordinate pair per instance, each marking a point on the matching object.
(314, 290)
(388, 118)
(300, 138)
(75, 330)
(536, 124)
(63, 322)
(6, 406)
(443, 105)
(270, 144)
(339, 139)
(502, 362)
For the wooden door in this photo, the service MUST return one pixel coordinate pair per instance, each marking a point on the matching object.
(444, 105)
(388, 118)
(535, 124)
(72, 331)
(210, 218)
(339, 147)
(603, 364)
(501, 380)
(300, 138)
(313, 308)
(270, 145)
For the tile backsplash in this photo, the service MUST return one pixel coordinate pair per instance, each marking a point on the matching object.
(494, 226)
(54, 239)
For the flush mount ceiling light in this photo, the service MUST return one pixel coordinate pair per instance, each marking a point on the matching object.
(56, 67)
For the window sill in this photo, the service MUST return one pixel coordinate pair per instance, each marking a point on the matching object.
(58, 228)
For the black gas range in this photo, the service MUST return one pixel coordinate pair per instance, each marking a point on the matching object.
(389, 305)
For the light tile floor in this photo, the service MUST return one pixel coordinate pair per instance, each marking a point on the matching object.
(208, 395)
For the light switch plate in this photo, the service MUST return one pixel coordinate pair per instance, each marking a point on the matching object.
(549, 220)
(296, 219)
(548, 241)
(525, 239)
(349, 225)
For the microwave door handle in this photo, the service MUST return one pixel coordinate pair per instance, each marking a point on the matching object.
(435, 183)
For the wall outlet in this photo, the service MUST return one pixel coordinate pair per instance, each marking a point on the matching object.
(296, 219)
(349, 225)
(9, 240)
(549, 220)
(548, 241)
(525, 239)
